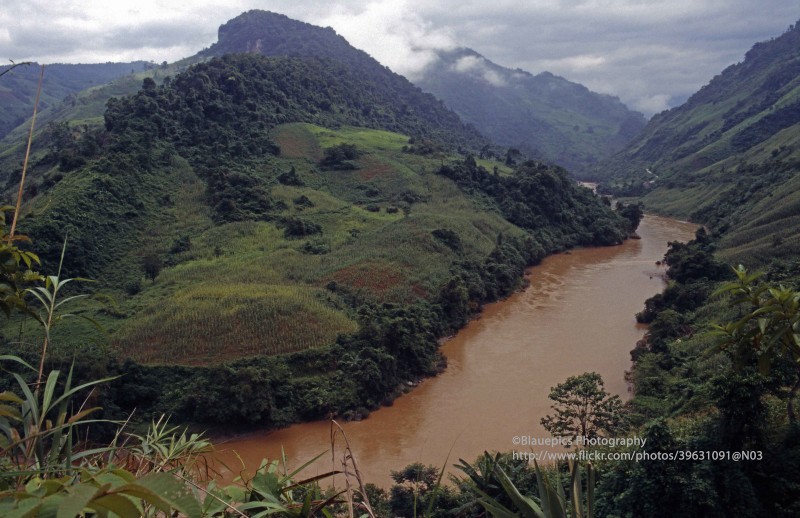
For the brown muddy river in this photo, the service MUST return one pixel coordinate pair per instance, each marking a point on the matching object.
(576, 316)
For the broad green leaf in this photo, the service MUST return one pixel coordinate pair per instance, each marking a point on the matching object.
(27, 508)
(120, 505)
(525, 505)
(77, 497)
(165, 492)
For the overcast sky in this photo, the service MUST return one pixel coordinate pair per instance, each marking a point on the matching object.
(652, 54)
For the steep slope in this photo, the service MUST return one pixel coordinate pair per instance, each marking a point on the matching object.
(544, 116)
(18, 87)
(728, 156)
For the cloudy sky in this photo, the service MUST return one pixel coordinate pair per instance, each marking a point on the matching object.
(652, 54)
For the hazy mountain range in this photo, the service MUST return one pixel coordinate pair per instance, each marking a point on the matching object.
(18, 87)
(545, 116)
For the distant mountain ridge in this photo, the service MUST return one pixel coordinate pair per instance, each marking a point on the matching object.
(18, 87)
(545, 116)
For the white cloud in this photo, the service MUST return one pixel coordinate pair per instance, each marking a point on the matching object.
(574, 63)
(467, 63)
(653, 104)
(479, 67)
(494, 78)
(104, 30)
(392, 32)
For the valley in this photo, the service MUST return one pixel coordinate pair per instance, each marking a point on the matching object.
(279, 231)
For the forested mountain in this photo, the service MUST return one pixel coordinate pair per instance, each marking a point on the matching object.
(729, 156)
(18, 88)
(261, 221)
(545, 116)
(273, 34)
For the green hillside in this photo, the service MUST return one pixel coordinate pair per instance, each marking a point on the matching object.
(729, 156)
(259, 210)
(545, 116)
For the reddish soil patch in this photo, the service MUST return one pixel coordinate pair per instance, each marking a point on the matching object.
(371, 168)
(377, 277)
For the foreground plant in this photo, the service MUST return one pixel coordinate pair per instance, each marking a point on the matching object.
(37, 428)
(107, 491)
(552, 501)
(46, 471)
(767, 331)
(15, 268)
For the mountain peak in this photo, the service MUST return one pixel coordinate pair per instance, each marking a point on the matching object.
(265, 22)
(271, 33)
(277, 35)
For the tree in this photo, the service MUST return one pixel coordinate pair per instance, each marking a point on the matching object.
(583, 408)
(338, 157)
(767, 333)
(633, 213)
(513, 155)
(418, 491)
(151, 264)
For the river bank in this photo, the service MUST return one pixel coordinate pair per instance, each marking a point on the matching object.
(576, 315)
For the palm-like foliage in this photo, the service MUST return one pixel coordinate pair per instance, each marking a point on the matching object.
(49, 314)
(552, 501)
(273, 490)
(168, 448)
(770, 326)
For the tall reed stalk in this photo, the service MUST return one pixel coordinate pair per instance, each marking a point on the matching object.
(27, 156)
